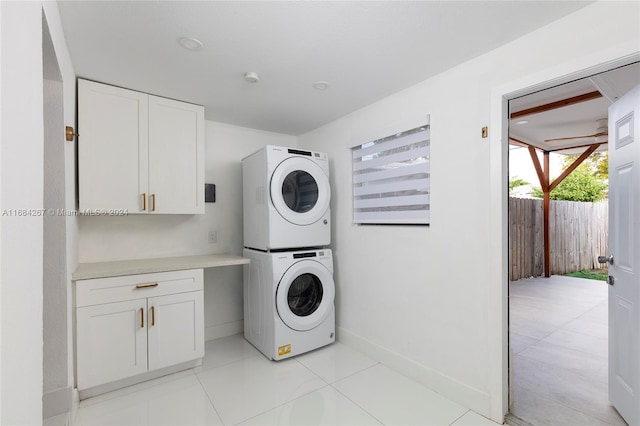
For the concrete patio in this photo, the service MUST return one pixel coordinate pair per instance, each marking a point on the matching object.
(558, 341)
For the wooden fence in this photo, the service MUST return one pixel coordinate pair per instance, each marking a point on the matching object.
(578, 236)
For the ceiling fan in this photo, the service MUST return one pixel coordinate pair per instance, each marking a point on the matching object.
(600, 136)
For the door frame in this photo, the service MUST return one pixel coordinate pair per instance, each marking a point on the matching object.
(498, 240)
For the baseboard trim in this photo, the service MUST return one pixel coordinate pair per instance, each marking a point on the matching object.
(129, 381)
(446, 386)
(219, 331)
(56, 402)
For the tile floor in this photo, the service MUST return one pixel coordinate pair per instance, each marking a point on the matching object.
(558, 331)
(237, 385)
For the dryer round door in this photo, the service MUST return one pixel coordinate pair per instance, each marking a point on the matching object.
(305, 294)
(300, 191)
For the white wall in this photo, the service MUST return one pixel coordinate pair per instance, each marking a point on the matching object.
(436, 290)
(141, 236)
(22, 187)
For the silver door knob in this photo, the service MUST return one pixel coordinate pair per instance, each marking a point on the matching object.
(605, 259)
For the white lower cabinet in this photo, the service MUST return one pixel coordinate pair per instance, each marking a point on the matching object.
(130, 325)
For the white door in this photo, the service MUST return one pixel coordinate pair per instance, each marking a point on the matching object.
(176, 157)
(111, 342)
(176, 328)
(112, 147)
(624, 247)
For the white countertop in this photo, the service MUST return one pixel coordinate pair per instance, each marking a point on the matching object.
(116, 268)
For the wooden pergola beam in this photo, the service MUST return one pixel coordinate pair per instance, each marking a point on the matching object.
(578, 146)
(518, 142)
(557, 104)
(539, 171)
(574, 165)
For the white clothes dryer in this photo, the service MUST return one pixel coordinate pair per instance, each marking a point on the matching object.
(286, 198)
(289, 301)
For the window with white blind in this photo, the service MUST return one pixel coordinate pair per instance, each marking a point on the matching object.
(391, 179)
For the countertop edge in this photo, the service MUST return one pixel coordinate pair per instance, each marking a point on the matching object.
(86, 271)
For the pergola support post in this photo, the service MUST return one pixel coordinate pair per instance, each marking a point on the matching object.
(547, 187)
(546, 204)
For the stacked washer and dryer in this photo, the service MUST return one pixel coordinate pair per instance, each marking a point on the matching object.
(288, 286)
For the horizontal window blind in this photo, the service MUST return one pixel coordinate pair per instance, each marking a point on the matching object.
(391, 179)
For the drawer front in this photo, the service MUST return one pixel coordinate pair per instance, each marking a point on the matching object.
(130, 287)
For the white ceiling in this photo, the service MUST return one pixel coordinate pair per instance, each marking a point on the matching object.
(574, 120)
(366, 50)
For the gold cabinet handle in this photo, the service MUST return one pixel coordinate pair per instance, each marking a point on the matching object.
(144, 201)
(147, 285)
(141, 317)
(153, 315)
(153, 202)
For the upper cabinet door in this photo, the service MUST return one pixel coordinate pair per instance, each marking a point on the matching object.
(176, 157)
(138, 152)
(112, 147)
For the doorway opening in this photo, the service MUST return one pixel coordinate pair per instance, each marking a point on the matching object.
(557, 324)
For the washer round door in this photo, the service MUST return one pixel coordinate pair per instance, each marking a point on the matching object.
(305, 294)
(300, 191)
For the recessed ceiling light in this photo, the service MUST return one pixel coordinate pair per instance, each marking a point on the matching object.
(190, 43)
(320, 85)
(522, 122)
(252, 77)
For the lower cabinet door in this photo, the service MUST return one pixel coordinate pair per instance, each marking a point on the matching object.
(176, 328)
(111, 342)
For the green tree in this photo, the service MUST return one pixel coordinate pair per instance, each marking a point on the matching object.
(515, 182)
(580, 185)
(598, 162)
(601, 165)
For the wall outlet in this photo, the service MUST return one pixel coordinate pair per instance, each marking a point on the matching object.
(213, 237)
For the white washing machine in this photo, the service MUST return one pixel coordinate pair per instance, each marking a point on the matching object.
(289, 301)
(286, 198)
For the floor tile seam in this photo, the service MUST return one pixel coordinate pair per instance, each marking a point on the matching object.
(313, 372)
(556, 401)
(590, 320)
(591, 354)
(573, 373)
(553, 300)
(396, 372)
(562, 327)
(341, 378)
(535, 337)
(226, 364)
(583, 333)
(210, 400)
(459, 417)
(559, 402)
(564, 348)
(282, 404)
(355, 402)
(530, 337)
(354, 373)
(561, 348)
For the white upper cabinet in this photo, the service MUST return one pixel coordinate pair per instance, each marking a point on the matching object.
(139, 152)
